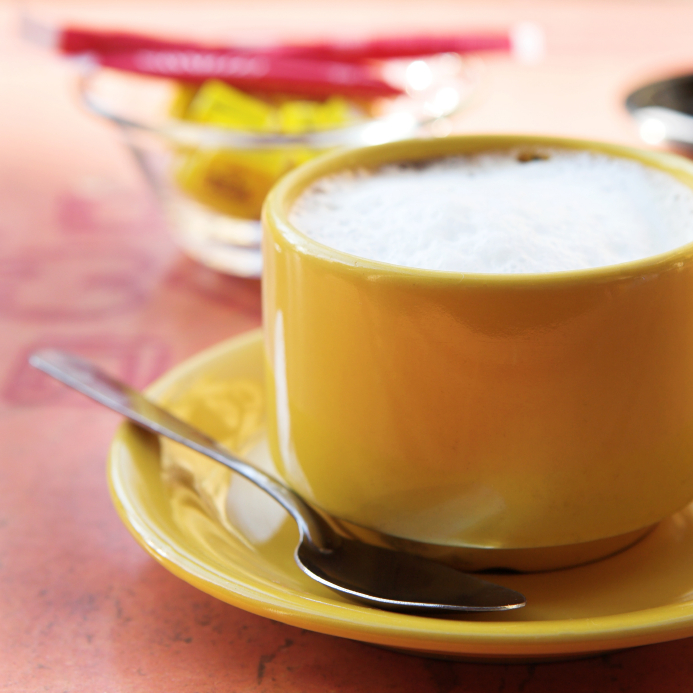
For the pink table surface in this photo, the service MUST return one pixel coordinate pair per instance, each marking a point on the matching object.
(86, 264)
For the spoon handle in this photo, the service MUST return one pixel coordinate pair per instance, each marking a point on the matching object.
(86, 378)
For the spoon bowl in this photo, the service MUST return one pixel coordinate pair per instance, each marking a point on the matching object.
(377, 576)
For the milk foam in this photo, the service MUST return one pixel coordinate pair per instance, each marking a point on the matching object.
(496, 213)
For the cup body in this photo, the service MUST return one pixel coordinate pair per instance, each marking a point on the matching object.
(495, 413)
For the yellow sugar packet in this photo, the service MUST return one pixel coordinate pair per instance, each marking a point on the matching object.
(217, 103)
(183, 95)
(236, 181)
(232, 181)
(297, 117)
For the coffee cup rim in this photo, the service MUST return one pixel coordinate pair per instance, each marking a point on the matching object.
(275, 213)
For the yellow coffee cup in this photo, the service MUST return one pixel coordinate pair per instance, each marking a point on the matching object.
(526, 421)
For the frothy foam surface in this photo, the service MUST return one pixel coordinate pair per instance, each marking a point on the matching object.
(499, 213)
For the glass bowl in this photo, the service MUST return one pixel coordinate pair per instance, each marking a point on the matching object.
(202, 218)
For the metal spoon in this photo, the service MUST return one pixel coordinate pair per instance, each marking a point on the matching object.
(380, 577)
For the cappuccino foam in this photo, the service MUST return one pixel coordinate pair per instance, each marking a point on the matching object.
(500, 212)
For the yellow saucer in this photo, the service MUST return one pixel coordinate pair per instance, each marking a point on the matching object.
(643, 595)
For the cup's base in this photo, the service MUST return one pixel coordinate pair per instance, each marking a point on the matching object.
(529, 560)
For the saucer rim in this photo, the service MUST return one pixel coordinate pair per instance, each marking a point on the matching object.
(478, 640)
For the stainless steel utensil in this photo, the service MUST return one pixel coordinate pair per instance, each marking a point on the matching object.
(664, 112)
(379, 577)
